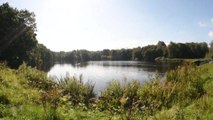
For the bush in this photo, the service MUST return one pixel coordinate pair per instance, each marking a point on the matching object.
(77, 91)
(119, 98)
(180, 87)
(189, 83)
(35, 77)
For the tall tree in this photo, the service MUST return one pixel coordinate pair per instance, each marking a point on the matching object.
(136, 53)
(187, 50)
(17, 34)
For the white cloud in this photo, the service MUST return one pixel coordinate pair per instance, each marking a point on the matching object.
(202, 24)
(212, 20)
(211, 34)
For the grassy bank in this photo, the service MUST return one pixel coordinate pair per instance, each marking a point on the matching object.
(162, 59)
(185, 93)
(199, 108)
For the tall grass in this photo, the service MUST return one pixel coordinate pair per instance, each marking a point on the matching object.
(181, 87)
(119, 98)
(77, 90)
(26, 93)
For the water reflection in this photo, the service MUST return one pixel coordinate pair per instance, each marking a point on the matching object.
(101, 72)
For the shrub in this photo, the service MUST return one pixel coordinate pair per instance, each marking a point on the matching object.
(35, 77)
(188, 81)
(180, 87)
(119, 98)
(78, 91)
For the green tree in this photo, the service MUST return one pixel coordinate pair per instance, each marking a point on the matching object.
(105, 54)
(187, 50)
(161, 45)
(95, 55)
(136, 54)
(151, 52)
(17, 34)
(84, 54)
(115, 55)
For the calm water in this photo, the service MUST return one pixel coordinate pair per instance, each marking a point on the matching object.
(101, 72)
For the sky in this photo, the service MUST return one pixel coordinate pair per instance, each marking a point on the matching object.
(65, 25)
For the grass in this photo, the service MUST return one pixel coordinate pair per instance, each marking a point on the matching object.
(185, 93)
(162, 59)
(208, 66)
(201, 108)
(17, 98)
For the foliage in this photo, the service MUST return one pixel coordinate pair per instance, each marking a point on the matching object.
(41, 57)
(189, 80)
(119, 98)
(146, 53)
(18, 41)
(35, 77)
(136, 53)
(200, 108)
(17, 34)
(77, 91)
(180, 87)
(182, 94)
(187, 50)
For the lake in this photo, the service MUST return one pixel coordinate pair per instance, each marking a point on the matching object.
(102, 72)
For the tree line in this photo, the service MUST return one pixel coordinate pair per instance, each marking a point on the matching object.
(18, 44)
(146, 53)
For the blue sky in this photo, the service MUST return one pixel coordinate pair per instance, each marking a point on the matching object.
(64, 25)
